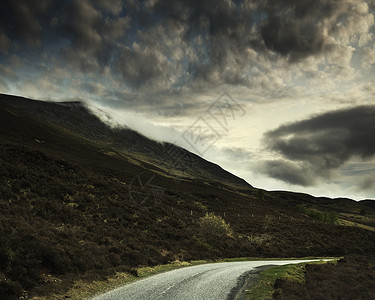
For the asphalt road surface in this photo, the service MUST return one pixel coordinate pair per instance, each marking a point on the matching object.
(202, 282)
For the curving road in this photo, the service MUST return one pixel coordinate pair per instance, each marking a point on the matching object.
(202, 282)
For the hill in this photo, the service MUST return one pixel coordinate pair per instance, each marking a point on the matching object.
(124, 142)
(81, 200)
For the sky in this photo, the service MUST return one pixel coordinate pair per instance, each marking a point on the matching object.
(279, 92)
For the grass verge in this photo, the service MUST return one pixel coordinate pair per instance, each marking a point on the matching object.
(263, 289)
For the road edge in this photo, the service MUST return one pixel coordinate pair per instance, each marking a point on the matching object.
(245, 280)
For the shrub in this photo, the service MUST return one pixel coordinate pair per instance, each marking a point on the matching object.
(213, 227)
(325, 216)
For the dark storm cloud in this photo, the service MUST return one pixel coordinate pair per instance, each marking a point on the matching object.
(83, 24)
(218, 34)
(141, 66)
(290, 37)
(322, 144)
(294, 28)
(288, 172)
(78, 26)
(24, 20)
(93, 34)
(224, 29)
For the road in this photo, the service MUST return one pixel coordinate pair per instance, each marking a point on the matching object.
(202, 282)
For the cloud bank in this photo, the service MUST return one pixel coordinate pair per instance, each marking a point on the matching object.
(313, 148)
(162, 47)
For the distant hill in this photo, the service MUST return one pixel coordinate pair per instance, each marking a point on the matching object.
(80, 200)
(369, 203)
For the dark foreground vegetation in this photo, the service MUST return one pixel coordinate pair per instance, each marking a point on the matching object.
(353, 277)
(71, 208)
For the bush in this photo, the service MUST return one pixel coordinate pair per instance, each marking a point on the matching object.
(213, 227)
(325, 216)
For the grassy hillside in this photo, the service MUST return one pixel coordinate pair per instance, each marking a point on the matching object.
(72, 207)
(349, 212)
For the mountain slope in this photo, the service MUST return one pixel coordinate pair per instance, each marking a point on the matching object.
(74, 207)
(171, 159)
